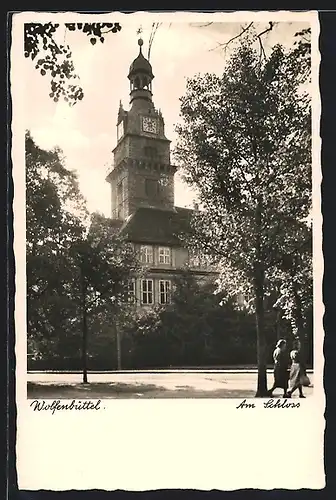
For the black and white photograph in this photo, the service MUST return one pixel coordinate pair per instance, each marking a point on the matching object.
(167, 237)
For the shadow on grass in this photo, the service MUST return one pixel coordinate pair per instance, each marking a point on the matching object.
(91, 390)
(113, 390)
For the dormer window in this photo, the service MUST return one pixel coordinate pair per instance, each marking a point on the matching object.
(164, 255)
(146, 254)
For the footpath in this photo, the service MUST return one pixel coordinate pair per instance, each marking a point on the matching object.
(226, 369)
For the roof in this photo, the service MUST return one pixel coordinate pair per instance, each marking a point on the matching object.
(154, 225)
(141, 64)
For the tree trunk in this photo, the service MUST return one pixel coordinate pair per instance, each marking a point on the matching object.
(84, 328)
(259, 278)
(299, 322)
(118, 345)
(278, 318)
(261, 341)
(84, 348)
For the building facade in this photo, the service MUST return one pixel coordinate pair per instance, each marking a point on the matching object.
(142, 193)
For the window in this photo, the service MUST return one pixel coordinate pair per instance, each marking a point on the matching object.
(131, 291)
(120, 198)
(120, 190)
(164, 255)
(164, 291)
(146, 254)
(147, 291)
(151, 187)
(120, 130)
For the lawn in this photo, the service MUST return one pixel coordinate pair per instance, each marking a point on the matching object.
(117, 390)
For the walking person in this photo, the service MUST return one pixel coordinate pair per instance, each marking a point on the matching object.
(281, 361)
(297, 371)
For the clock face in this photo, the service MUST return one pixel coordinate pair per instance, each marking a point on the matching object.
(149, 124)
(120, 130)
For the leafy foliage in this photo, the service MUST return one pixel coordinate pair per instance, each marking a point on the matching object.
(197, 329)
(104, 262)
(77, 267)
(51, 190)
(245, 144)
(55, 59)
(301, 54)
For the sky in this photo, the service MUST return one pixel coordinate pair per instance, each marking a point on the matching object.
(87, 132)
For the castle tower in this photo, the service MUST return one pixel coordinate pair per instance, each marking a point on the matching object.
(142, 175)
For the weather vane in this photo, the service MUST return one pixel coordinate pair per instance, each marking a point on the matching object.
(139, 31)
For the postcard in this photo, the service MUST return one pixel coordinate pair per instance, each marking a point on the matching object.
(168, 250)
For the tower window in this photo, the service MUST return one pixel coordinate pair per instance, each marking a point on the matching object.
(151, 187)
(147, 291)
(120, 130)
(120, 191)
(164, 255)
(164, 291)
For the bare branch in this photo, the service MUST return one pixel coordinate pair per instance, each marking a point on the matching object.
(271, 25)
(262, 50)
(225, 45)
(205, 25)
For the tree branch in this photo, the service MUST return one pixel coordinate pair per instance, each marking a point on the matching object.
(292, 253)
(225, 45)
(271, 25)
(262, 50)
(205, 25)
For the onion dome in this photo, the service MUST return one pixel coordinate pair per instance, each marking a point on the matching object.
(140, 64)
(140, 77)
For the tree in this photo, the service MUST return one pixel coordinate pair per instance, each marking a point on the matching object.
(191, 318)
(104, 263)
(77, 267)
(245, 144)
(198, 328)
(55, 58)
(295, 294)
(250, 30)
(55, 217)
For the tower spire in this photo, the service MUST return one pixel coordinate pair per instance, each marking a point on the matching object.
(140, 77)
(140, 43)
(140, 40)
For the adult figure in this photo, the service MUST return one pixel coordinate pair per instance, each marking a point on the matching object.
(280, 358)
(297, 371)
